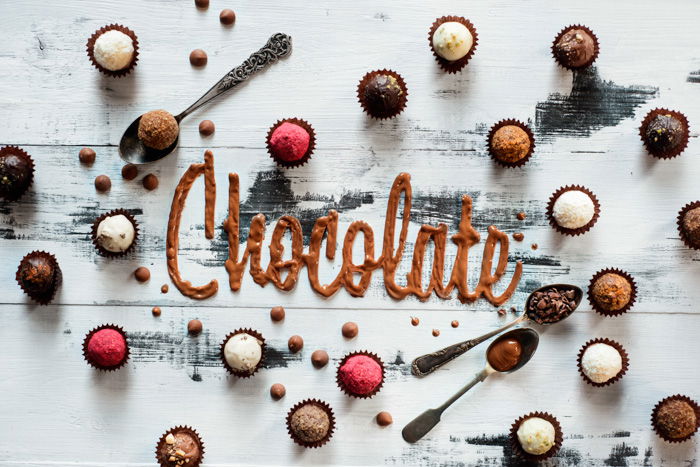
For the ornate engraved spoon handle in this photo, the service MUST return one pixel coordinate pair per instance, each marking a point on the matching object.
(279, 45)
(426, 364)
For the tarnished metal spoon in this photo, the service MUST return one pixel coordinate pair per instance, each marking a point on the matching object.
(426, 364)
(133, 150)
(423, 423)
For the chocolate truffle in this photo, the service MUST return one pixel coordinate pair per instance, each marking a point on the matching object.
(601, 362)
(510, 144)
(611, 292)
(150, 182)
(206, 128)
(452, 41)
(319, 358)
(106, 348)
(227, 17)
(309, 423)
(295, 344)
(113, 50)
(350, 330)
(277, 391)
(194, 327)
(675, 418)
(573, 209)
(198, 58)
(277, 313)
(115, 234)
(289, 142)
(243, 353)
(158, 129)
(382, 94)
(360, 375)
(690, 226)
(16, 172)
(384, 419)
(142, 274)
(575, 48)
(103, 183)
(129, 172)
(87, 156)
(181, 446)
(39, 276)
(536, 435)
(664, 134)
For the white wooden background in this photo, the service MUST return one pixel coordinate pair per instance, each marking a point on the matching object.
(56, 410)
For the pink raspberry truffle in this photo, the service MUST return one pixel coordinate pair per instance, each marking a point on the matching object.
(289, 142)
(106, 348)
(361, 375)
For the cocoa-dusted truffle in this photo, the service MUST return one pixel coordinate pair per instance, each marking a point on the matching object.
(158, 129)
(309, 423)
(180, 446)
(382, 94)
(575, 47)
(39, 276)
(611, 292)
(510, 143)
(690, 226)
(676, 418)
(16, 172)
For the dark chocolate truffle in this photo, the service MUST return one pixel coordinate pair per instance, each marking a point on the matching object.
(575, 48)
(87, 156)
(277, 391)
(350, 330)
(383, 95)
(103, 183)
(198, 58)
(295, 344)
(611, 292)
(142, 274)
(206, 128)
(158, 129)
(664, 134)
(309, 423)
(16, 172)
(39, 275)
(319, 358)
(675, 418)
(194, 327)
(510, 143)
(129, 172)
(180, 446)
(227, 17)
(690, 225)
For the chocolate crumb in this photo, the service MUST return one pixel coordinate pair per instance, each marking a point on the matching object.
(535, 246)
(501, 311)
(551, 305)
(415, 321)
(164, 288)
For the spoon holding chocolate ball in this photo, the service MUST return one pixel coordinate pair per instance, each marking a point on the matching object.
(547, 305)
(507, 354)
(155, 134)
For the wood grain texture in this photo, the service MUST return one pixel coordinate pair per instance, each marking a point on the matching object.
(57, 411)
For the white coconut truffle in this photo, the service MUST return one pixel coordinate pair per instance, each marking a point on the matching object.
(243, 352)
(536, 435)
(452, 40)
(113, 50)
(115, 233)
(601, 362)
(573, 209)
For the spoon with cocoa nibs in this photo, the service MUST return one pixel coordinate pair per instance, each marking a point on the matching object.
(547, 305)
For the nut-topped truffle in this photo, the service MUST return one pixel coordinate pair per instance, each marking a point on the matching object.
(382, 94)
(664, 133)
(16, 172)
(611, 292)
(181, 446)
(575, 47)
(158, 129)
(39, 276)
(452, 40)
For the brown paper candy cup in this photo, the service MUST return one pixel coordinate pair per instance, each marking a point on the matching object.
(677, 397)
(331, 427)
(564, 230)
(367, 108)
(596, 47)
(307, 155)
(518, 449)
(457, 65)
(22, 155)
(180, 428)
(42, 298)
(520, 125)
(91, 50)
(686, 134)
(347, 390)
(618, 347)
(111, 254)
(619, 272)
(681, 230)
(89, 335)
(229, 368)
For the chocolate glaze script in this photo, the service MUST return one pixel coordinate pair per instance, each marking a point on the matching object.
(327, 226)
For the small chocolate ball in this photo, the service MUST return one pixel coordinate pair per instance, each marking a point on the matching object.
(277, 313)
(295, 344)
(455, 324)
(227, 17)
(142, 274)
(87, 156)
(384, 419)
(156, 311)
(277, 391)
(198, 58)
(206, 128)
(201, 4)
(164, 288)
(350, 330)
(436, 332)
(129, 172)
(319, 358)
(102, 183)
(194, 327)
(150, 182)
(414, 321)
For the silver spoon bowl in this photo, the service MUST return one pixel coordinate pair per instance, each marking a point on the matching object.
(132, 149)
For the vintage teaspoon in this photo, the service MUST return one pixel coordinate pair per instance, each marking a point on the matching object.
(426, 364)
(133, 150)
(528, 340)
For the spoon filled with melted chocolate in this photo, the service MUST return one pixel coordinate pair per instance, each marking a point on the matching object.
(155, 134)
(506, 354)
(547, 305)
